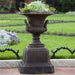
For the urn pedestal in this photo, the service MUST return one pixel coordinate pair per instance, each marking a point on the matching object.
(35, 56)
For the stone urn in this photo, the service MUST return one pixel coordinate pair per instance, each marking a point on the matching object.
(36, 58)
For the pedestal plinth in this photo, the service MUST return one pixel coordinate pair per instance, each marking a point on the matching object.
(36, 61)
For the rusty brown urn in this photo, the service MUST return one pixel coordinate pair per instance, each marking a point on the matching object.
(35, 56)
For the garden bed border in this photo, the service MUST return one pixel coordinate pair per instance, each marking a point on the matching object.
(55, 62)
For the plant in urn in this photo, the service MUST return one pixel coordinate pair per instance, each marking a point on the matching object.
(35, 56)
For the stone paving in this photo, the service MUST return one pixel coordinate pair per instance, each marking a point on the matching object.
(58, 71)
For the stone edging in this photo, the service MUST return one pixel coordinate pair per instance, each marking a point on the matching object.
(55, 62)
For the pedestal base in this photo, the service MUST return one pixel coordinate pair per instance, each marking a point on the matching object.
(39, 68)
(36, 61)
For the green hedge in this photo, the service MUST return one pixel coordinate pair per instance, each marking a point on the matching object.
(65, 5)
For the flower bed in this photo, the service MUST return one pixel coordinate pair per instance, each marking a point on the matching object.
(37, 6)
(7, 38)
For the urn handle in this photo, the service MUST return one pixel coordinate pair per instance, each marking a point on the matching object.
(27, 25)
(45, 24)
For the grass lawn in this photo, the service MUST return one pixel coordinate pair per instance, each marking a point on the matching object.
(14, 28)
(51, 42)
(62, 17)
(61, 28)
(11, 19)
(11, 16)
(58, 28)
(11, 22)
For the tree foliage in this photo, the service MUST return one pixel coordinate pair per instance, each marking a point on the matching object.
(65, 5)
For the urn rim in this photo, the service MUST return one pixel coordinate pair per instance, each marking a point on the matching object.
(36, 13)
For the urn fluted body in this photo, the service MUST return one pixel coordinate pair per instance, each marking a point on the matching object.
(35, 56)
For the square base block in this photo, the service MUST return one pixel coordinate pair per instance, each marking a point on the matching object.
(36, 68)
(36, 61)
